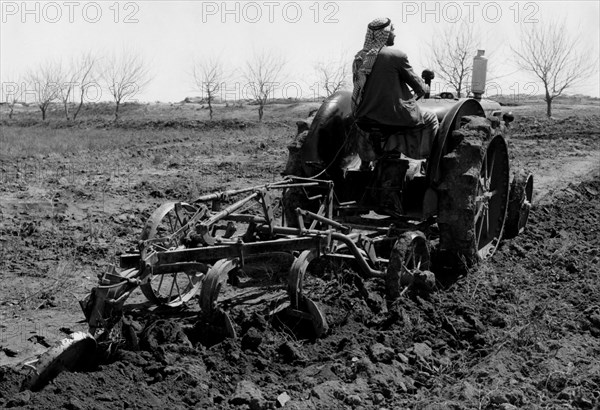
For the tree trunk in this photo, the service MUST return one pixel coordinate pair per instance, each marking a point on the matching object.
(66, 106)
(210, 110)
(260, 111)
(43, 108)
(10, 113)
(117, 111)
(79, 106)
(548, 105)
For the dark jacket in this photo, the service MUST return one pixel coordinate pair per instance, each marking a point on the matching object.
(387, 99)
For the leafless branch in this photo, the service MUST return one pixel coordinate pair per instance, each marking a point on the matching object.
(12, 91)
(453, 49)
(85, 67)
(68, 78)
(333, 75)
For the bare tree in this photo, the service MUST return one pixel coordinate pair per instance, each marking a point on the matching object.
(44, 82)
(263, 72)
(124, 76)
(208, 75)
(85, 65)
(453, 49)
(557, 59)
(12, 90)
(333, 75)
(68, 77)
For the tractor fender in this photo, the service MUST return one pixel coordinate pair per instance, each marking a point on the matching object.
(327, 133)
(442, 143)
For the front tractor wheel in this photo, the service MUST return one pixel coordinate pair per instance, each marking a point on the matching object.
(473, 195)
(409, 265)
(519, 204)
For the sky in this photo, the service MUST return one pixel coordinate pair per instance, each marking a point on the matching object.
(171, 35)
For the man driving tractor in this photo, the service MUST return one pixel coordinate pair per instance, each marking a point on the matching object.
(381, 97)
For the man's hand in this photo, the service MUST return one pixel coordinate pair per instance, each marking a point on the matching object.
(425, 91)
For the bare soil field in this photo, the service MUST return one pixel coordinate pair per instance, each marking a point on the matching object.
(521, 331)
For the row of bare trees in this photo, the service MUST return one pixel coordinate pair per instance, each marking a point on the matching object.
(262, 73)
(546, 51)
(123, 75)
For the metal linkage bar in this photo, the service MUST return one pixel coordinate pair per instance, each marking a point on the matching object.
(324, 220)
(283, 184)
(335, 236)
(229, 210)
(210, 254)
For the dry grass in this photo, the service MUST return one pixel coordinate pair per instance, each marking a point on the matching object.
(18, 142)
(281, 112)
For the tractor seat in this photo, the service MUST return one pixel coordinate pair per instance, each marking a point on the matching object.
(368, 125)
(383, 137)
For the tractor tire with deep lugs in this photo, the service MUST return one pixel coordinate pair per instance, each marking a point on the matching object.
(473, 193)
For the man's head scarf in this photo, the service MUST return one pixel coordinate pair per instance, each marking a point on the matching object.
(377, 36)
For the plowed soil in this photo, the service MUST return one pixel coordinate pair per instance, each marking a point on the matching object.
(520, 331)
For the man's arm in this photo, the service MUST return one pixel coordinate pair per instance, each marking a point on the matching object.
(408, 75)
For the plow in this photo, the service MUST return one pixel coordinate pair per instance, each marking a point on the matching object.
(403, 216)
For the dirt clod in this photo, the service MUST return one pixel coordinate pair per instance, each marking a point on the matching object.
(248, 393)
(163, 332)
(422, 350)
(282, 400)
(381, 353)
(291, 354)
(252, 339)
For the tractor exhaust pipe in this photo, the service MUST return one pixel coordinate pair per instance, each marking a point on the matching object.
(479, 74)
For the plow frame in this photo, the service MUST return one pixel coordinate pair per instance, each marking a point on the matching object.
(326, 236)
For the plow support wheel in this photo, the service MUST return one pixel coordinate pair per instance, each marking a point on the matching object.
(170, 222)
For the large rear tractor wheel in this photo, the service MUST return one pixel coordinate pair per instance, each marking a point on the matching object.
(473, 195)
(167, 226)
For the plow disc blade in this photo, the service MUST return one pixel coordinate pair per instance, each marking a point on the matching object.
(258, 287)
(300, 305)
(216, 326)
(309, 315)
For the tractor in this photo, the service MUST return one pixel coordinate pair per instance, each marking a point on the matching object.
(455, 190)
